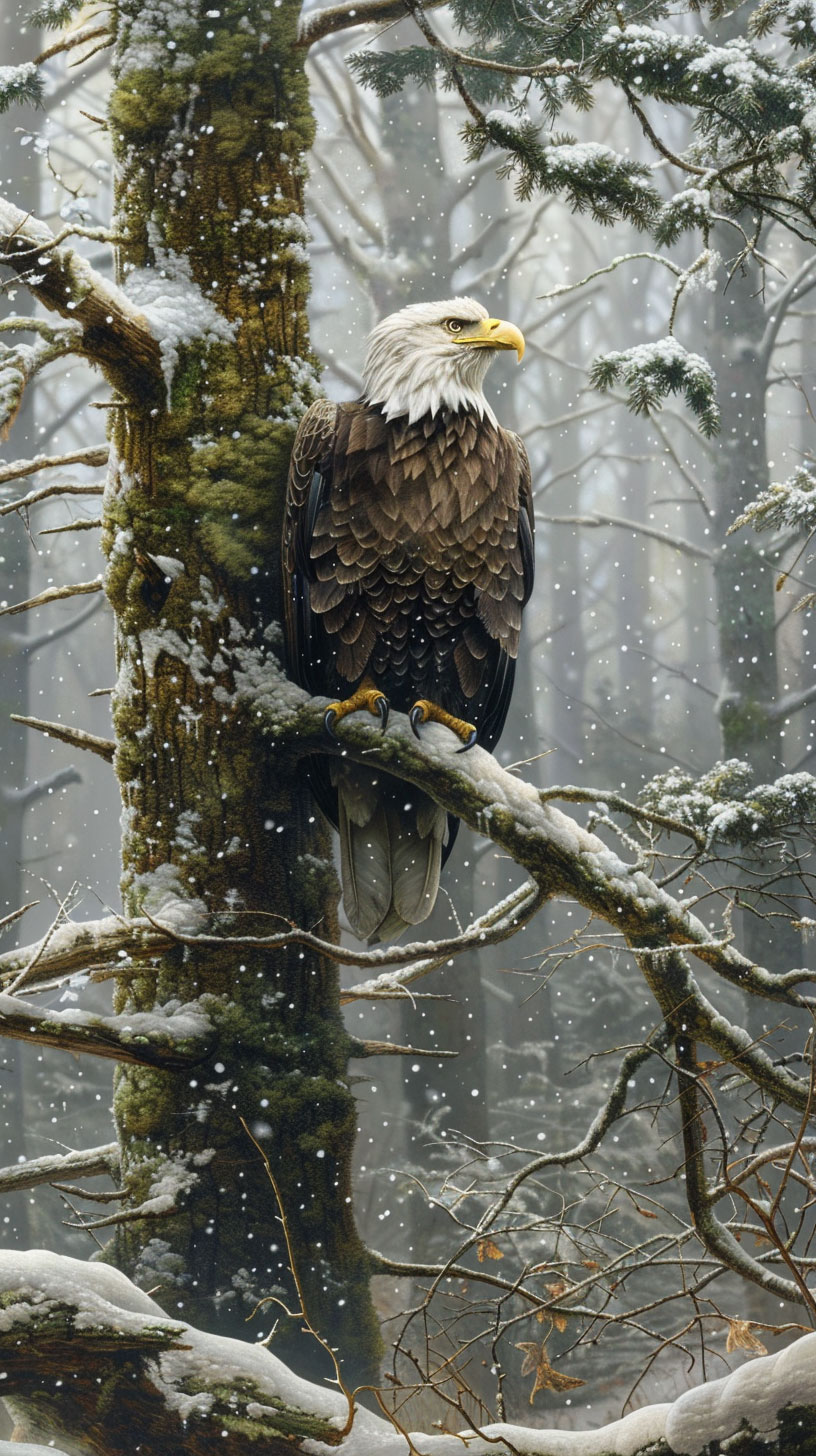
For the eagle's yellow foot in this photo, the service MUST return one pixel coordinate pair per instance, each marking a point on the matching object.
(367, 696)
(424, 711)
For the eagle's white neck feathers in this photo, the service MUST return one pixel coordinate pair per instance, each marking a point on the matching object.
(414, 367)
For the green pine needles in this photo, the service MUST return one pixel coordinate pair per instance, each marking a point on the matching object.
(653, 371)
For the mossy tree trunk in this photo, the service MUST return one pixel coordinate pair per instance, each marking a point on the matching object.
(210, 121)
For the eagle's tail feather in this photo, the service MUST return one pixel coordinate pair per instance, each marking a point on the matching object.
(391, 840)
(365, 858)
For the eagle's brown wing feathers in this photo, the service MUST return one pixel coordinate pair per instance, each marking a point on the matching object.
(409, 550)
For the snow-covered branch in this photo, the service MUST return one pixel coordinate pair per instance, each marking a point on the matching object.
(90, 455)
(563, 859)
(79, 947)
(178, 1039)
(88, 1163)
(112, 333)
(77, 737)
(201, 1392)
(53, 594)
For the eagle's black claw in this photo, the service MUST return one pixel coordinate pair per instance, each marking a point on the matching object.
(329, 720)
(383, 709)
(471, 740)
(415, 717)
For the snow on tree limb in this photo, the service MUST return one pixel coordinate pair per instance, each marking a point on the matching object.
(563, 859)
(88, 1163)
(53, 594)
(178, 1038)
(77, 947)
(114, 334)
(77, 737)
(198, 1391)
(90, 455)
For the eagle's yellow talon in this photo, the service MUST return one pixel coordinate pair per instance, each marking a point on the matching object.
(424, 711)
(367, 696)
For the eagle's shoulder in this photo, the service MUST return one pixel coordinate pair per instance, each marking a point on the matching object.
(314, 436)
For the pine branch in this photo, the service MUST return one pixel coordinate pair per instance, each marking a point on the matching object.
(104, 747)
(114, 335)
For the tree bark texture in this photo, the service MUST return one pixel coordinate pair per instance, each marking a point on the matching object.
(210, 121)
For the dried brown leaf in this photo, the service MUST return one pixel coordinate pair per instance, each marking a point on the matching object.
(535, 1359)
(741, 1337)
(486, 1249)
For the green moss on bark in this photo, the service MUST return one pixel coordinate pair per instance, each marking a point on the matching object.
(209, 133)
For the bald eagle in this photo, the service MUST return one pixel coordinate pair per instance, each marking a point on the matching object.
(408, 548)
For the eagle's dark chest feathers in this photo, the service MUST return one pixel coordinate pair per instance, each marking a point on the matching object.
(415, 549)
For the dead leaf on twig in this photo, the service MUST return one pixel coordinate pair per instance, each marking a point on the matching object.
(535, 1360)
(741, 1337)
(486, 1249)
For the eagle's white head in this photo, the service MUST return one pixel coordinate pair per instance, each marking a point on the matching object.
(434, 356)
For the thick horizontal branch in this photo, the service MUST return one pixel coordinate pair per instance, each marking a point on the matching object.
(560, 856)
(144, 1039)
(79, 947)
(114, 334)
(104, 747)
(176, 1388)
(86, 1164)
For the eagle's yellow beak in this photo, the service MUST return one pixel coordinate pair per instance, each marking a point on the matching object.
(496, 334)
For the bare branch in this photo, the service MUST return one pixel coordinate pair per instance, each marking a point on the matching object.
(320, 23)
(91, 455)
(501, 922)
(81, 524)
(715, 1236)
(677, 543)
(24, 797)
(16, 915)
(68, 42)
(390, 1049)
(104, 747)
(53, 594)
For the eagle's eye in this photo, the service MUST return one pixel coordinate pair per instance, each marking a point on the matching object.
(455, 326)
